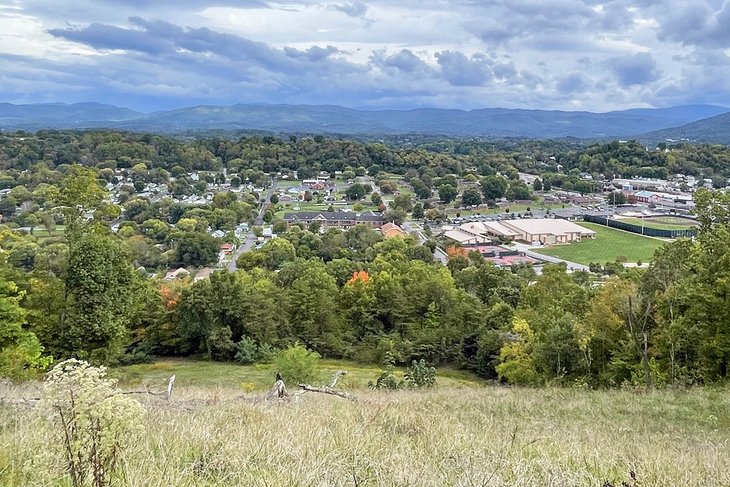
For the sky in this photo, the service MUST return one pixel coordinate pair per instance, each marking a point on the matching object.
(554, 54)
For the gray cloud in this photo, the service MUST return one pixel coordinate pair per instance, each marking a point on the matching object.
(460, 70)
(354, 9)
(637, 69)
(590, 54)
(697, 23)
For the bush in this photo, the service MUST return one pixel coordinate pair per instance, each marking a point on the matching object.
(420, 374)
(94, 421)
(246, 351)
(386, 380)
(249, 352)
(298, 365)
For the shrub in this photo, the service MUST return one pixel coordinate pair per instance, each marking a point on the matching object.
(386, 380)
(298, 365)
(420, 374)
(249, 352)
(246, 351)
(93, 420)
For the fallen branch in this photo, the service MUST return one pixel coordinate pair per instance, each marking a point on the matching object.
(327, 390)
(337, 376)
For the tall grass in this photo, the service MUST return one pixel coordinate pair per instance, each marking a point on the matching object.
(443, 437)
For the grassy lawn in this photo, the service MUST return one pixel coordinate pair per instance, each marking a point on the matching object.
(661, 223)
(260, 377)
(303, 206)
(42, 235)
(607, 246)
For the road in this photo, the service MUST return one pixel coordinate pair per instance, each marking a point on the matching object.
(249, 237)
(572, 266)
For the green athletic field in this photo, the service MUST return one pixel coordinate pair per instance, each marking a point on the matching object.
(608, 245)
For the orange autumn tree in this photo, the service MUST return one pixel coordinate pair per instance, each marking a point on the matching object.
(453, 251)
(361, 276)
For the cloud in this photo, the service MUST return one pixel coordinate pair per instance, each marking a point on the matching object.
(354, 9)
(637, 69)
(460, 70)
(577, 54)
(404, 61)
(697, 23)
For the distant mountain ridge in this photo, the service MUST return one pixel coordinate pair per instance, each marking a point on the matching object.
(709, 130)
(324, 119)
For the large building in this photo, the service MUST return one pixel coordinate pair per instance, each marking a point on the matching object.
(546, 231)
(339, 219)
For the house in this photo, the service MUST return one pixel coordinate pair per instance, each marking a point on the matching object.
(203, 273)
(390, 230)
(338, 219)
(218, 234)
(178, 273)
(227, 248)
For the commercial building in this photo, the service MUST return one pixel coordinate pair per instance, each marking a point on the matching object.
(546, 231)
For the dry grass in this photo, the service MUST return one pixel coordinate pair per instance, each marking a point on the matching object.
(445, 437)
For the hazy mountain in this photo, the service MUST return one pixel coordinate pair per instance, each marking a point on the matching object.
(711, 130)
(497, 122)
(61, 115)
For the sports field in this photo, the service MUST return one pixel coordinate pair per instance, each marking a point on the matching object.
(661, 222)
(608, 245)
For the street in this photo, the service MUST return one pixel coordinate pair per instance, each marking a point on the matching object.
(250, 238)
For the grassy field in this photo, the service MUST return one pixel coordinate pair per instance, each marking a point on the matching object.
(607, 246)
(257, 377)
(491, 436)
(41, 234)
(661, 222)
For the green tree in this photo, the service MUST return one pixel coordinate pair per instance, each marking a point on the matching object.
(493, 187)
(447, 193)
(418, 212)
(470, 197)
(355, 192)
(195, 249)
(98, 297)
(21, 354)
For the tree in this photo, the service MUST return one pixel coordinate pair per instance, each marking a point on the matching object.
(447, 193)
(402, 202)
(537, 184)
(518, 190)
(493, 187)
(418, 212)
(21, 354)
(471, 197)
(355, 192)
(313, 311)
(516, 365)
(376, 199)
(616, 198)
(99, 298)
(195, 249)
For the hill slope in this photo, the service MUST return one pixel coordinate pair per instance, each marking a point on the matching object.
(711, 130)
(488, 122)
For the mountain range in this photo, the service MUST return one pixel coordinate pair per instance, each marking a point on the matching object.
(697, 122)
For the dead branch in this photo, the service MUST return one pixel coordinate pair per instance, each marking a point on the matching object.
(336, 377)
(327, 390)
